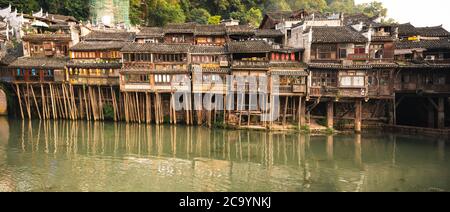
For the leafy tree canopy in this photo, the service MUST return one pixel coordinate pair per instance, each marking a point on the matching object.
(161, 12)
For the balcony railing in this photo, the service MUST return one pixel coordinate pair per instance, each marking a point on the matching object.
(357, 56)
(250, 64)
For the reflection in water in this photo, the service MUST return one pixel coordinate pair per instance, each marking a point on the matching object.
(99, 156)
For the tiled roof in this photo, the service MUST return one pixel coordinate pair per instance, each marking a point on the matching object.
(98, 45)
(240, 30)
(252, 46)
(6, 59)
(268, 33)
(357, 19)
(210, 29)
(338, 66)
(208, 49)
(353, 66)
(407, 29)
(156, 48)
(212, 70)
(110, 36)
(47, 37)
(150, 32)
(286, 15)
(74, 64)
(340, 34)
(290, 72)
(180, 28)
(39, 62)
(64, 18)
(426, 44)
(436, 31)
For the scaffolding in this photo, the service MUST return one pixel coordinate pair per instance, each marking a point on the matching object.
(110, 12)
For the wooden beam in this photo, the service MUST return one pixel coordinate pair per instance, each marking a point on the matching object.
(20, 100)
(441, 113)
(433, 103)
(35, 103)
(358, 114)
(330, 114)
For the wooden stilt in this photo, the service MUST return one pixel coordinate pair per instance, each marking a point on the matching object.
(100, 102)
(80, 102)
(137, 107)
(441, 113)
(174, 110)
(86, 105)
(64, 101)
(53, 102)
(26, 97)
(285, 110)
(358, 114)
(249, 117)
(43, 103)
(36, 103)
(20, 100)
(114, 103)
(330, 114)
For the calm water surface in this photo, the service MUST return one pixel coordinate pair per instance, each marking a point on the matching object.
(83, 156)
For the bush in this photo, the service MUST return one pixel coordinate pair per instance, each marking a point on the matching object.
(108, 112)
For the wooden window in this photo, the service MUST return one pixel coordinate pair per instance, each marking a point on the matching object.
(359, 49)
(324, 52)
(343, 53)
(324, 78)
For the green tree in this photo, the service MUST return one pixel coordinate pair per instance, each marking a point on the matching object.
(162, 12)
(199, 15)
(214, 19)
(373, 9)
(309, 5)
(253, 17)
(345, 6)
(276, 5)
(136, 12)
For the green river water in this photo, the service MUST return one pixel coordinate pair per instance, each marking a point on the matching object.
(88, 156)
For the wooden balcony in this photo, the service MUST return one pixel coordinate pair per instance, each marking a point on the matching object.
(291, 89)
(357, 56)
(209, 88)
(87, 80)
(250, 64)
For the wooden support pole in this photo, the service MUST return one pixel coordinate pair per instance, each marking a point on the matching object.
(20, 100)
(114, 103)
(358, 114)
(74, 103)
(430, 116)
(285, 110)
(330, 114)
(441, 113)
(27, 100)
(138, 108)
(64, 101)
(86, 106)
(125, 104)
(100, 102)
(174, 109)
(43, 103)
(301, 112)
(80, 104)
(53, 102)
(36, 103)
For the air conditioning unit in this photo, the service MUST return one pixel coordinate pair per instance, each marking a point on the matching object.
(430, 57)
